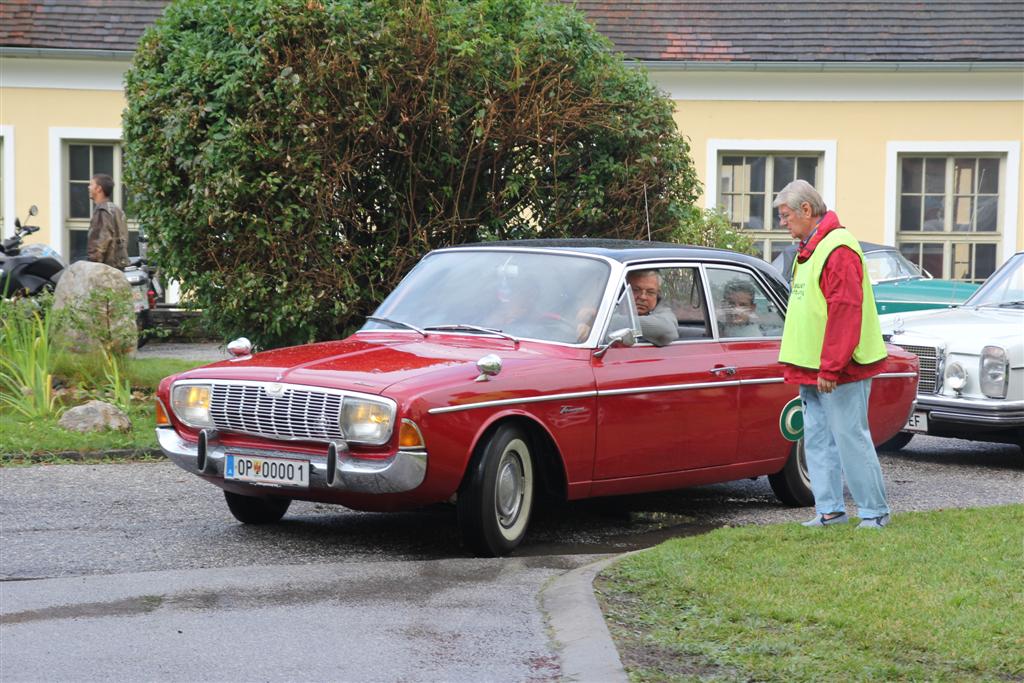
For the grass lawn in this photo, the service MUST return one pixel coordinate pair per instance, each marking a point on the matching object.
(936, 596)
(23, 436)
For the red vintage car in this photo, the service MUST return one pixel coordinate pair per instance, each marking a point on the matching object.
(495, 373)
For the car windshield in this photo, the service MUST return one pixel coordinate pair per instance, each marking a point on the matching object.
(1005, 287)
(885, 266)
(528, 295)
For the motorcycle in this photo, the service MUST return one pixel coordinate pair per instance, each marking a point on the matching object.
(31, 269)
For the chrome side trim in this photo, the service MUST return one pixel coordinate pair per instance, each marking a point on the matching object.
(886, 375)
(511, 401)
(669, 387)
(767, 380)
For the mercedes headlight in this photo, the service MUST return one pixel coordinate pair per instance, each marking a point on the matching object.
(956, 377)
(191, 403)
(366, 421)
(994, 371)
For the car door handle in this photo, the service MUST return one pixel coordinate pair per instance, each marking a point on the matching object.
(720, 370)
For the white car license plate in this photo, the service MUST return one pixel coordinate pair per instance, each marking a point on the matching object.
(917, 422)
(275, 471)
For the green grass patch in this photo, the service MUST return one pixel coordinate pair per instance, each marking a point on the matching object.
(142, 373)
(21, 435)
(936, 596)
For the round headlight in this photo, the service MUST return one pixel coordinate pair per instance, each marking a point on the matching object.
(956, 376)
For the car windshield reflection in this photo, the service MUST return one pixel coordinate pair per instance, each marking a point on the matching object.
(887, 266)
(521, 295)
(1004, 288)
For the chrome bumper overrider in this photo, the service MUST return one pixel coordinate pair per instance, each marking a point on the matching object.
(403, 471)
(993, 412)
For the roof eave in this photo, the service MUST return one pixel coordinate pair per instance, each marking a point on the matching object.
(66, 53)
(810, 67)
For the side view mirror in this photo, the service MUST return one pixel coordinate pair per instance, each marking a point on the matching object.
(33, 210)
(623, 337)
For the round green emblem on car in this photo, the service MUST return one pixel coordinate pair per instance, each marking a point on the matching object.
(791, 421)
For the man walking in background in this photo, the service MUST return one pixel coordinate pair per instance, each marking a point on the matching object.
(108, 228)
(832, 346)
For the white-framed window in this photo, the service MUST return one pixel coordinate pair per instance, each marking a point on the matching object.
(952, 207)
(745, 176)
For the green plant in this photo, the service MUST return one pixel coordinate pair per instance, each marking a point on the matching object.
(27, 356)
(293, 159)
(115, 385)
(106, 318)
(712, 228)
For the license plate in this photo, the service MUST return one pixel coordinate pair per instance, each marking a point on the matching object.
(273, 471)
(918, 422)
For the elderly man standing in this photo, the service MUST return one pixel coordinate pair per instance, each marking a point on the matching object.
(832, 346)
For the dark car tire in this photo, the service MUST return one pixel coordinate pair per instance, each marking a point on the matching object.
(792, 484)
(496, 498)
(897, 442)
(256, 509)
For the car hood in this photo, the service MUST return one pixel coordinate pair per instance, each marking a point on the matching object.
(363, 363)
(965, 329)
(924, 291)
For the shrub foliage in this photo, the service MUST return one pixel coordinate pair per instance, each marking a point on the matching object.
(292, 159)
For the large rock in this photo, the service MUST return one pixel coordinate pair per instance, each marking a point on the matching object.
(97, 308)
(95, 416)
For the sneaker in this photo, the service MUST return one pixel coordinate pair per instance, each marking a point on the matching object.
(874, 522)
(822, 520)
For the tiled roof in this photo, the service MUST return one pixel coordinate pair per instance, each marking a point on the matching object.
(716, 31)
(824, 31)
(110, 25)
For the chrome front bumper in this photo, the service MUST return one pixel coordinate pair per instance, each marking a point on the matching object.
(403, 471)
(992, 413)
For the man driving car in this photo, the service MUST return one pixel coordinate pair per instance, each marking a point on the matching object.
(657, 321)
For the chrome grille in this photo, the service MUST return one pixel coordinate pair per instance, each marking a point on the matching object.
(928, 380)
(295, 414)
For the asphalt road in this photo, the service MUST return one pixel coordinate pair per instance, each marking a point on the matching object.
(138, 572)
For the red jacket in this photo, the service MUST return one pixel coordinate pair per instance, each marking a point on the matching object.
(840, 282)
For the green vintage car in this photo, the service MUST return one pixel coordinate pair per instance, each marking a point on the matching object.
(898, 284)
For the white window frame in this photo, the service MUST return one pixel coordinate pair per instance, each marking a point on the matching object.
(827, 149)
(58, 138)
(1009, 191)
(10, 210)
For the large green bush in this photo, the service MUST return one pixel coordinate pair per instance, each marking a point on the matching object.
(292, 159)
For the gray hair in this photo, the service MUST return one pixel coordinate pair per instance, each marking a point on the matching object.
(798, 192)
(633, 274)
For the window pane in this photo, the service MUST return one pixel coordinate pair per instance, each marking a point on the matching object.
(757, 165)
(935, 176)
(103, 159)
(78, 162)
(984, 260)
(910, 213)
(759, 248)
(931, 258)
(933, 219)
(963, 176)
(78, 197)
(960, 263)
(78, 242)
(783, 173)
(778, 247)
(963, 206)
(756, 220)
(807, 169)
(988, 176)
(911, 175)
(728, 173)
(912, 252)
(988, 208)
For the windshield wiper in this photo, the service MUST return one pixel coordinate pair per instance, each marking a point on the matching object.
(396, 323)
(1007, 304)
(472, 328)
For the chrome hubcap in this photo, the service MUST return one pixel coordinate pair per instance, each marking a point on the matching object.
(508, 494)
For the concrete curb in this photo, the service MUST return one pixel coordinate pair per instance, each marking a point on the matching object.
(587, 651)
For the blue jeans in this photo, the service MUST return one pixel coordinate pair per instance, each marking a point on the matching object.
(837, 441)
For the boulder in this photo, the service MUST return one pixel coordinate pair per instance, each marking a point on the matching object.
(95, 416)
(96, 301)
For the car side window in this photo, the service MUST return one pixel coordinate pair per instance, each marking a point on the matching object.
(683, 292)
(741, 305)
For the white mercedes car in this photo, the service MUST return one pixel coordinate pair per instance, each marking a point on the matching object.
(971, 384)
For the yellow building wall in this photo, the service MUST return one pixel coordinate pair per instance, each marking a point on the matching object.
(33, 112)
(861, 131)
